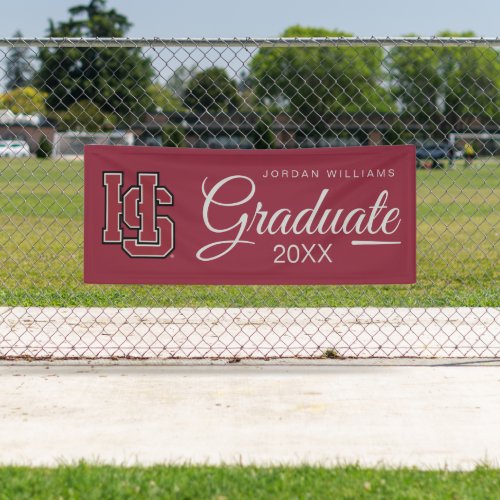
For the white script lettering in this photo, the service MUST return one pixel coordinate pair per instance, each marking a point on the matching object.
(374, 219)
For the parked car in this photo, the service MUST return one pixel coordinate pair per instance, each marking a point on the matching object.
(429, 153)
(14, 149)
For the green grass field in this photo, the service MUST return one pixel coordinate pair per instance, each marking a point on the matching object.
(41, 247)
(221, 483)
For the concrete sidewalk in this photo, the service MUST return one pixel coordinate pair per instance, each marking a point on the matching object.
(401, 412)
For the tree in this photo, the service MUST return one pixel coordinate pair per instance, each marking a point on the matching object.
(212, 91)
(85, 116)
(436, 83)
(416, 81)
(25, 100)
(113, 79)
(176, 83)
(312, 81)
(19, 66)
(161, 98)
(472, 81)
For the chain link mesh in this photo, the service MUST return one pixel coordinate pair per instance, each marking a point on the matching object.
(441, 94)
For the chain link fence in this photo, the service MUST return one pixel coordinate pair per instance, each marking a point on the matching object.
(440, 94)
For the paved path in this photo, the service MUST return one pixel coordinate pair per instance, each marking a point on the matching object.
(430, 414)
(248, 332)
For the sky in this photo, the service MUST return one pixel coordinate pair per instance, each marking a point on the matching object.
(267, 18)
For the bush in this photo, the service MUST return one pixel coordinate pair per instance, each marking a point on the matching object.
(44, 148)
(263, 135)
(173, 137)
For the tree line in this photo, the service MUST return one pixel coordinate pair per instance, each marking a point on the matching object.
(102, 88)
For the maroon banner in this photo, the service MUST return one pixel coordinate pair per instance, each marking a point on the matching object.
(193, 216)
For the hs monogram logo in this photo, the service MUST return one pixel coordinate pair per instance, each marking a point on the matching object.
(136, 213)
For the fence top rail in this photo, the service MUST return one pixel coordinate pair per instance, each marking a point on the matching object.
(253, 42)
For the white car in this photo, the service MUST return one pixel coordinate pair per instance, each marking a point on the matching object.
(14, 149)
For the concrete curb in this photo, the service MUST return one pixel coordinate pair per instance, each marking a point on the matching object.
(162, 333)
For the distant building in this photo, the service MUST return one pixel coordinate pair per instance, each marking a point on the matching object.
(29, 128)
(238, 130)
(230, 130)
(72, 144)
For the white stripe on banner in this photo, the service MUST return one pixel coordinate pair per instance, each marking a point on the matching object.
(361, 242)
